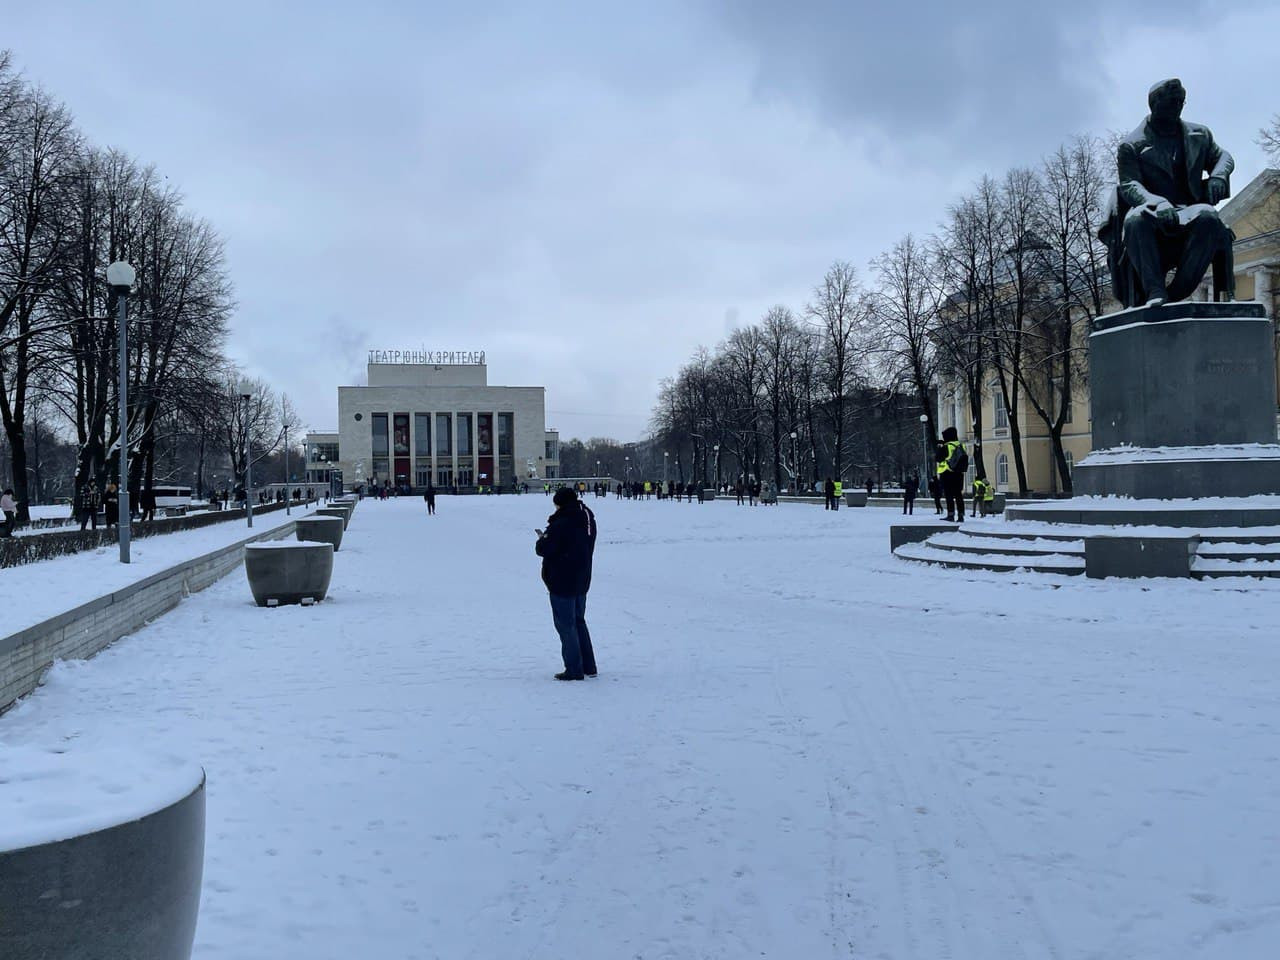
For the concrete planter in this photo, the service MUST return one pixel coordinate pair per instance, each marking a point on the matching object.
(855, 498)
(286, 572)
(320, 530)
(118, 877)
(342, 514)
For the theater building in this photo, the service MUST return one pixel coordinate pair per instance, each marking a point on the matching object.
(433, 416)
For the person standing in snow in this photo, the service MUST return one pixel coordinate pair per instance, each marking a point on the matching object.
(566, 547)
(953, 461)
(430, 498)
(9, 507)
(935, 491)
(909, 491)
(111, 505)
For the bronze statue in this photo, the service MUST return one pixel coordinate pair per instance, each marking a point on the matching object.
(1171, 174)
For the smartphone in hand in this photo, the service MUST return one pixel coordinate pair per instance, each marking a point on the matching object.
(539, 532)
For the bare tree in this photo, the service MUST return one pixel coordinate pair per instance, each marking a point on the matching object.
(1074, 266)
(839, 313)
(906, 311)
(1269, 139)
(40, 147)
(783, 341)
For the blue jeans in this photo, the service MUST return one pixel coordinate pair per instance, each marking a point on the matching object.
(569, 615)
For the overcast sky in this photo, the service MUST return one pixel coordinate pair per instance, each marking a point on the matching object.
(589, 191)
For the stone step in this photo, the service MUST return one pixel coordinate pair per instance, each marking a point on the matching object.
(995, 562)
(1237, 550)
(962, 541)
(1203, 568)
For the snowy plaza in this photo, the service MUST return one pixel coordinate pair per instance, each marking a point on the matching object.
(799, 746)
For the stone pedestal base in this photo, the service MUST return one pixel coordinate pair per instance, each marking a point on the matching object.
(1179, 473)
(1187, 374)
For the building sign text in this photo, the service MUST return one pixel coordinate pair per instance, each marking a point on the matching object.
(446, 357)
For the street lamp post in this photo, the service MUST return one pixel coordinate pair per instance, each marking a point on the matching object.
(924, 446)
(628, 465)
(597, 469)
(666, 459)
(288, 487)
(120, 277)
(716, 448)
(795, 467)
(246, 394)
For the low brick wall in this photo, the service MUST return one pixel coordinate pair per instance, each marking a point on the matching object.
(81, 632)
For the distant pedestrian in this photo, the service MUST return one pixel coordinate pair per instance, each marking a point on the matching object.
(935, 491)
(829, 493)
(430, 498)
(87, 506)
(870, 486)
(9, 507)
(111, 505)
(147, 503)
(566, 547)
(909, 491)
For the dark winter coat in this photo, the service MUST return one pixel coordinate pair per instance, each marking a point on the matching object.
(111, 506)
(565, 549)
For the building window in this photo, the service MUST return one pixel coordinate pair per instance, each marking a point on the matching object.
(381, 443)
(381, 470)
(329, 451)
(444, 439)
(422, 435)
(444, 477)
(552, 451)
(484, 430)
(400, 434)
(1002, 471)
(464, 437)
(506, 434)
(422, 473)
(1002, 414)
(466, 475)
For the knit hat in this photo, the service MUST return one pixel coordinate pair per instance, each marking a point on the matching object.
(564, 496)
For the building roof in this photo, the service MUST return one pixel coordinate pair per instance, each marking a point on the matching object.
(1255, 193)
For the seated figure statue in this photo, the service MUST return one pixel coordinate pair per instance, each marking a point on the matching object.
(1171, 174)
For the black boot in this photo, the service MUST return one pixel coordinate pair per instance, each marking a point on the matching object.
(568, 676)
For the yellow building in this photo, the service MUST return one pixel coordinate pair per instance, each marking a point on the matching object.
(1254, 215)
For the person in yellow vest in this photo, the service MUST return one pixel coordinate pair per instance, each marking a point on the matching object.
(839, 492)
(988, 498)
(647, 489)
(953, 461)
(980, 487)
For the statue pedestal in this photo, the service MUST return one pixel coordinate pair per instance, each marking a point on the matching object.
(1184, 403)
(1183, 375)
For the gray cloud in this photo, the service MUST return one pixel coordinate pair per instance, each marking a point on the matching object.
(588, 193)
(980, 78)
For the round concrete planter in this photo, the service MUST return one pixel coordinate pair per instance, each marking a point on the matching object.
(320, 530)
(283, 572)
(344, 515)
(102, 866)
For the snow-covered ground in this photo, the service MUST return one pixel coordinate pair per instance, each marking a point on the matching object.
(798, 747)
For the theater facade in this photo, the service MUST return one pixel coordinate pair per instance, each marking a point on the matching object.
(428, 416)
